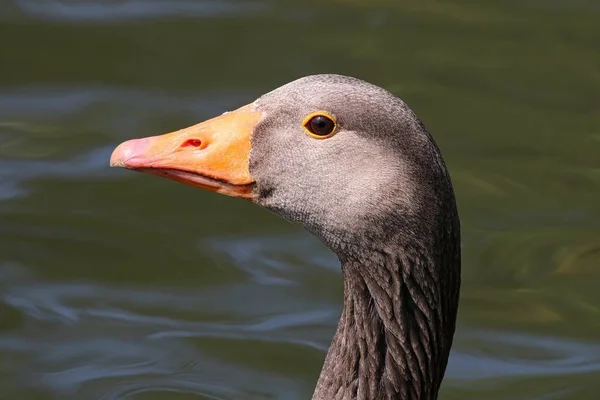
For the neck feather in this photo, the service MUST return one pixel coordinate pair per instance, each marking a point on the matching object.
(396, 328)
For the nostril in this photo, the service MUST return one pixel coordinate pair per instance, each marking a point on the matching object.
(192, 143)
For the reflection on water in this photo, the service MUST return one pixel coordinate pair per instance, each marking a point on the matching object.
(113, 11)
(115, 285)
(70, 337)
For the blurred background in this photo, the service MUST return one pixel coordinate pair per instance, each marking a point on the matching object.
(116, 285)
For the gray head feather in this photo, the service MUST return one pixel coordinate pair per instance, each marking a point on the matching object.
(379, 195)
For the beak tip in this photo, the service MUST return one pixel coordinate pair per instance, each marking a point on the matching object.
(117, 158)
(116, 164)
(123, 155)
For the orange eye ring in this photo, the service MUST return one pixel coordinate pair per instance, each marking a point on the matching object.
(320, 125)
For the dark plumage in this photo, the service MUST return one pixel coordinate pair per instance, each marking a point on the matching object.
(379, 195)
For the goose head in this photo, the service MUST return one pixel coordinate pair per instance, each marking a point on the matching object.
(353, 164)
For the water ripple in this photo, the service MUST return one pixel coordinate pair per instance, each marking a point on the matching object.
(82, 340)
(91, 164)
(266, 259)
(560, 356)
(90, 11)
(35, 102)
(79, 334)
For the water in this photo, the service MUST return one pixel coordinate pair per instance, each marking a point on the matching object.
(115, 285)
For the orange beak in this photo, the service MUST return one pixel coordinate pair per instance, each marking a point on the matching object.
(212, 155)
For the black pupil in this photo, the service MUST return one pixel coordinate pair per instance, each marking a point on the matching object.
(321, 125)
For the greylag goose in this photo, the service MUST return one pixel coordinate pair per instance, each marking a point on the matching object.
(353, 165)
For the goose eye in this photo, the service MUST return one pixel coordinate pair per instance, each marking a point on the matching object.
(320, 125)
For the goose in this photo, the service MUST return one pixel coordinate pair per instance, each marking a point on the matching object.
(352, 164)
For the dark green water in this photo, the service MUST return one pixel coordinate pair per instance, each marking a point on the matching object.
(115, 285)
